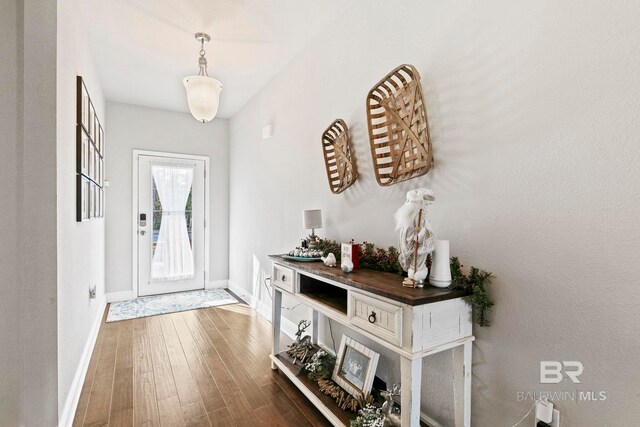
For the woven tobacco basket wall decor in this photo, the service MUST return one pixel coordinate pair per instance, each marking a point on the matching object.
(398, 127)
(338, 157)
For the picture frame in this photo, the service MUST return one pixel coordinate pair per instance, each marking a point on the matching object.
(82, 205)
(96, 128)
(82, 151)
(92, 161)
(83, 102)
(89, 157)
(92, 121)
(101, 141)
(355, 367)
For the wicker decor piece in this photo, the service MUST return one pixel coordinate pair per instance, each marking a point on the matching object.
(398, 127)
(338, 157)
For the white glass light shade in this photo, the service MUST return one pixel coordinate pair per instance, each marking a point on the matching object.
(203, 96)
(312, 219)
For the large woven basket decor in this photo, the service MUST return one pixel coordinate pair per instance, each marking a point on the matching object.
(338, 157)
(398, 127)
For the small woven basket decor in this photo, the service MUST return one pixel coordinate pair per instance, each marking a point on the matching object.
(338, 157)
(398, 127)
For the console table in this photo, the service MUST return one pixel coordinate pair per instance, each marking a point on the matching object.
(413, 323)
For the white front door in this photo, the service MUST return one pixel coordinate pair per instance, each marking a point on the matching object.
(171, 224)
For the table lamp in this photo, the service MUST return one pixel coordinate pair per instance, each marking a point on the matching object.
(312, 219)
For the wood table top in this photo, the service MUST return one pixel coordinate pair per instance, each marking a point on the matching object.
(387, 285)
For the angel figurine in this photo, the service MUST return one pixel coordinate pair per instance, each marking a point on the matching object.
(416, 240)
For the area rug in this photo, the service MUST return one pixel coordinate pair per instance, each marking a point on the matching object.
(168, 303)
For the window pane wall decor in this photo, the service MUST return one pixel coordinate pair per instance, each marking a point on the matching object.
(90, 158)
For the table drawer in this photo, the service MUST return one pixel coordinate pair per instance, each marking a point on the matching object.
(283, 278)
(381, 318)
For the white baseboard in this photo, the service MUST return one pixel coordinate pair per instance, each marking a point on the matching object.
(120, 296)
(71, 402)
(213, 284)
(264, 308)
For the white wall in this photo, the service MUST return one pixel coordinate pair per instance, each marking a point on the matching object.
(533, 112)
(10, 128)
(80, 245)
(28, 356)
(133, 127)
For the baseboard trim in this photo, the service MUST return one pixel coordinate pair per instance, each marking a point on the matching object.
(286, 325)
(73, 397)
(216, 284)
(119, 296)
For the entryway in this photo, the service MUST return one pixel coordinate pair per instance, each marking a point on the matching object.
(169, 219)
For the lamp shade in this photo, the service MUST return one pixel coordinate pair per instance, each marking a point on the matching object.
(312, 218)
(203, 96)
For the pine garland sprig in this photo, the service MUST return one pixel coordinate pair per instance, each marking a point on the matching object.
(474, 283)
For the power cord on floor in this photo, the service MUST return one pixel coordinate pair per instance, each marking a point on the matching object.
(271, 297)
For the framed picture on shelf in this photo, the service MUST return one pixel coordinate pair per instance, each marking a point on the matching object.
(355, 367)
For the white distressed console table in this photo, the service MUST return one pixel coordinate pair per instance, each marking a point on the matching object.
(414, 323)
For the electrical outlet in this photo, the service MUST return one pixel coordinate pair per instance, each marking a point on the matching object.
(555, 421)
(92, 292)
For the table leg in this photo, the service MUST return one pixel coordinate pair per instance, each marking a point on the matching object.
(411, 380)
(314, 327)
(276, 312)
(462, 384)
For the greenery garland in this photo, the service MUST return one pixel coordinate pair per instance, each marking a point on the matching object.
(374, 258)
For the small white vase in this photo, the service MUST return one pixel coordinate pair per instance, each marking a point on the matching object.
(440, 276)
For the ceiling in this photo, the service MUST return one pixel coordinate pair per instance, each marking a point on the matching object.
(144, 48)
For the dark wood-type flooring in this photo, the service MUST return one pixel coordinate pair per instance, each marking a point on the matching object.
(207, 367)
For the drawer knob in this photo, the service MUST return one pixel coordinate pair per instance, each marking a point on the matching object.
(372, 317)
(284, 278)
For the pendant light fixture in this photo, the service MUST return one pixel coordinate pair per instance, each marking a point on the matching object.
(203, 92)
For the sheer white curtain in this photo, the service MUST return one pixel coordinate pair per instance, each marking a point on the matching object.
(173, 257)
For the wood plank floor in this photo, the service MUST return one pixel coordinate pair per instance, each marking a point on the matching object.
(207, 367)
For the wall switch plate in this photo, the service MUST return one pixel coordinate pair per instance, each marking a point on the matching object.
(92, 292)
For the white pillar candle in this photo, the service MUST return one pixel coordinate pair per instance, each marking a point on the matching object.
(440, 276)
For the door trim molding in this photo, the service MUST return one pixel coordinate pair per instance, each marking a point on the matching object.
(134, 210)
